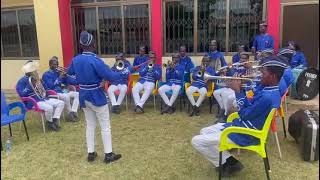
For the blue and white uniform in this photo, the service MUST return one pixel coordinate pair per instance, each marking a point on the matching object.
(188, 65)
(298, 59)
(121, 84)
(236, 58)
(52, 81)
(217, 55)
(286, 81)
(140, 60)
(52, 107)
(90, 71)
(198, 85)
(174, 82)
(262, 42)
(148, 78)
(252, 115)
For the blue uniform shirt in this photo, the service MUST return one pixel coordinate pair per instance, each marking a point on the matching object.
(90, 71)
(175, 76)
(286, 80)
(127, 70)
(262, 42)
(215, 55)
(298, 59)
(24, 89)
(140, 59)
(52, 81)
(149, 75)
(236, 58)
(199, 81)
(254, 113)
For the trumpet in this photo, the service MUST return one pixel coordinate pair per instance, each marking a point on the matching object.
(169, 64)
(210, 77)
(119, 65)
(150, 65)
(64, 70)
(36, 85)
(226, 68)
(201, 71)
(138, 66)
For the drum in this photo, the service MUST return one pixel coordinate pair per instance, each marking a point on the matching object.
(306, 85)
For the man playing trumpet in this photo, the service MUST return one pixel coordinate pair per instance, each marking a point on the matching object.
(29, 86)
(174, 80)
(199, 85)
(123, 67)
(149, 74)
(53, 79)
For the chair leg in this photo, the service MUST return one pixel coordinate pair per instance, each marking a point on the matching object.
(43, 125)
(220, 165)
(284, 128)
(10, 130)
(278, 144)
(269, 168)
(210, 105)
(154, 102)
(127, 102)
(25, 129)
(265, 160)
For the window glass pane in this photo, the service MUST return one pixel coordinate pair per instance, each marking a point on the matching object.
(28, 33)
(179, 25)
(136, 20)
(9, 33)
(245, 16)
(82, 1)
(85, 19)
(211, 23)
(110, 26)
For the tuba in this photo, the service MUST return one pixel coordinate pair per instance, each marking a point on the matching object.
(119, 65)
(36, 85)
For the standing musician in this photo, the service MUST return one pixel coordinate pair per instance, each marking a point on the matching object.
(216, 55)
(52, 107)
(149, 74)
(174, 79)
(90, 71)
(123, 67)
(186, 62)
(199, 85)
(252, 116)
(53, 80)
(226, 96)
(141, 58)
(263, 40)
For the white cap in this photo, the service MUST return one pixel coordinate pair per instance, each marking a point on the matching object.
(30, 67)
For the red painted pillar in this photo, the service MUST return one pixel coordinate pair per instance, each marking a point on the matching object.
(156, 29)
(66, 31)
(274, 21)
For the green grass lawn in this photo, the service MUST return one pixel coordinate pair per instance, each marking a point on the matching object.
(153, 146)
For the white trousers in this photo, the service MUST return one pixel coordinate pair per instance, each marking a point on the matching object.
(202, 91)
(175, 93)
(225, 98)
(111, 93)
(66, 98)
(208, 142)
(147, 87)
(93, 114)
(52, 108)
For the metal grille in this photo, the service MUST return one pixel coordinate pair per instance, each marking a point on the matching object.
(211, 23)
(85, 19)
(110, 27)
(245, 16)
(179, 25)
(18, 34)
(136, 20)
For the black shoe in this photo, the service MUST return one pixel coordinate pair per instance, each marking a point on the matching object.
(70, 118)
(118, 110)
(222, 119)
(171, 110)
(111, 157)
(197, 111)
(230, 168)
(92, 156)
(75, 116)
(193, 111)
(113, 109)
(52, 126)
(139, 110)
(56, 122)
(220, 114)
(165, 109)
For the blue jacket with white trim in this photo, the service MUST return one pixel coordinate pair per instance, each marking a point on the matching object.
(149, 75)
(199, 81)
(298, 59)
(52, 81)
(175, 76)
(262, 42)
(124, 73)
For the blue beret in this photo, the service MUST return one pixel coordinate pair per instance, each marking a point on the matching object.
(85, 38)
(274, 61)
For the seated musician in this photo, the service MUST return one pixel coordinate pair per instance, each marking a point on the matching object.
(186, 62)
(174, 80)
(54, 79)
(236, 57)
(199, 85)
(225, 96)
(141, 58)
(298, 59)
(287, 78)
(252, 115)
(124, 67)
(216, 55)
(149, 74)
(52, 107)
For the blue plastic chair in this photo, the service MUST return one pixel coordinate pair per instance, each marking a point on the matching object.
(7, 118)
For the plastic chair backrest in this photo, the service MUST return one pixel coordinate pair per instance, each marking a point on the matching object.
(4, 109)
(266, 126)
